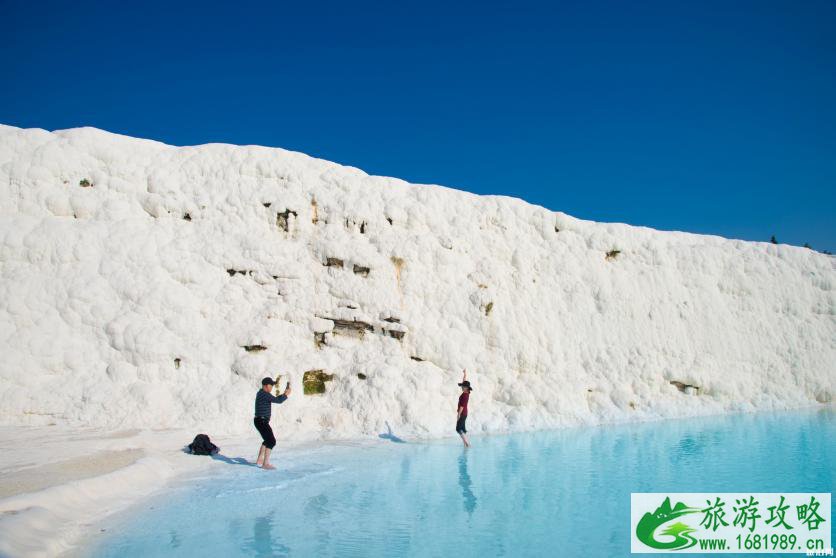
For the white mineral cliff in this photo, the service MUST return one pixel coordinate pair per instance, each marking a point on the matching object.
(145, 285)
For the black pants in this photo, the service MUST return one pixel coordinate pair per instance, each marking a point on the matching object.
(263, 427)
(460, 425)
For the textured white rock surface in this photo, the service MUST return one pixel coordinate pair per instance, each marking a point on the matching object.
(128, 303)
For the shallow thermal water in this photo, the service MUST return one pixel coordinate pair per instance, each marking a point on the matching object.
(563, 493)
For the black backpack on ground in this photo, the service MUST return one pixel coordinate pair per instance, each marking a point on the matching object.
(203, 446)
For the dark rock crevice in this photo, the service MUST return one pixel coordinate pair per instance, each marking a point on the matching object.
(283, 219)
(361, 270)
(685, 388)
(313, 381)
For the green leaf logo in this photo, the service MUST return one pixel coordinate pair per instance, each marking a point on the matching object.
(681, 533)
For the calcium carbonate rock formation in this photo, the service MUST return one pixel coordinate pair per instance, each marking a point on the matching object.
(144, 285)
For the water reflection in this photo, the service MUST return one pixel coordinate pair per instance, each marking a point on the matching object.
(464, 481)
(264, 542)
(688, 446)
(317, 507)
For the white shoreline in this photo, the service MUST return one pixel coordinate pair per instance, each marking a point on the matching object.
(57, 519)
(71, 494)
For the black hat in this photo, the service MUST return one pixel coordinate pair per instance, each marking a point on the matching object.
(466, 384)
(268, 381)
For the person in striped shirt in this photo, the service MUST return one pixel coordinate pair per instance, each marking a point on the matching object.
(263, 405)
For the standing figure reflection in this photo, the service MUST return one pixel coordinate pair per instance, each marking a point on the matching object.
(264, 544)
(464, 481)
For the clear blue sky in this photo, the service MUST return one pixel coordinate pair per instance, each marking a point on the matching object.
(708, 116)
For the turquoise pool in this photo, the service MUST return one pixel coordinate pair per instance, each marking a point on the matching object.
(556, 493)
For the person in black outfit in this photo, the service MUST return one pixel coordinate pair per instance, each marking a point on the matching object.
(263, 404)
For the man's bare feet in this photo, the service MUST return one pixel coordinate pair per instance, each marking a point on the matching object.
(267, 466)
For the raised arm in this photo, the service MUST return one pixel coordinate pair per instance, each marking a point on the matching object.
(459, 407)
(279, 398)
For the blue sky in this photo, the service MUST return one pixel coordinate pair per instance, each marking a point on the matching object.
(707, 116)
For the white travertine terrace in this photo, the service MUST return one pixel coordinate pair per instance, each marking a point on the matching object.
(150, 286)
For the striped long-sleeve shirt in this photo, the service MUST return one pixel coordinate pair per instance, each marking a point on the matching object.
(263, 401)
